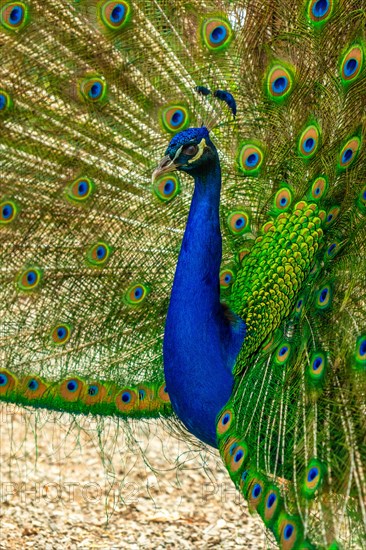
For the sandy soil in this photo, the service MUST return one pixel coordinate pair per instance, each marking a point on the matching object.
(59, 491)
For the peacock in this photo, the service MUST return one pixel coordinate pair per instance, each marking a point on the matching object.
(182, 224)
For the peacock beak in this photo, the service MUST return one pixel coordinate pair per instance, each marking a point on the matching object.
(166, 165)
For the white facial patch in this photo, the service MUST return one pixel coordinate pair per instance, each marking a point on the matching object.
(178, 152)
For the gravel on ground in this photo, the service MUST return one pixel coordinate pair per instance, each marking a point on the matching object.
(59, 490)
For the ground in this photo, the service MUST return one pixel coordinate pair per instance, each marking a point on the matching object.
(58, 491)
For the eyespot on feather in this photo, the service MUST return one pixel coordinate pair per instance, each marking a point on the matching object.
(175, 118)
(144, 393)
(245, 478)
(314, 475)
(60, 334)
(351, 64)
(331, 251)
(309, 141)
(126, 400)
(14, 15)
(93, 393)
(114, 15)
(319, 11)
(289, 532)
(360, 351)
(226, 278)
(8, 211)
(250, 158)
(167, 187)
(163, 394)
(316, 368)
(299, 306)
(98, 254)
(235, 455)
(225, 422)
(70, 389)
(318, 188)
(216, 33)
(79, 190)
(93, 89)
(332, 215)
(29, 279)
(324, 297)
(283, 353)
(136, 294)
(349, 152)
(5, 102)
(279, 82)
(282, 200)
(270, 505)
(146, 397)
(238, 222)
(8, 382)
(254, 493)
(32, 387)
(252, 485)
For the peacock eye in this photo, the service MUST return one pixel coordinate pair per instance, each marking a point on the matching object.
(190, 150)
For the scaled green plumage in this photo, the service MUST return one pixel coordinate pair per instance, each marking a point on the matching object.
(90, 94)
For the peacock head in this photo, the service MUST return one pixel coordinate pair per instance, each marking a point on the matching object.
(190, 151)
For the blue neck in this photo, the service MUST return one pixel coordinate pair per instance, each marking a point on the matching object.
(200, 345)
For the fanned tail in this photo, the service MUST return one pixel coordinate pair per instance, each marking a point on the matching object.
(293, 434)
(89, 245)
